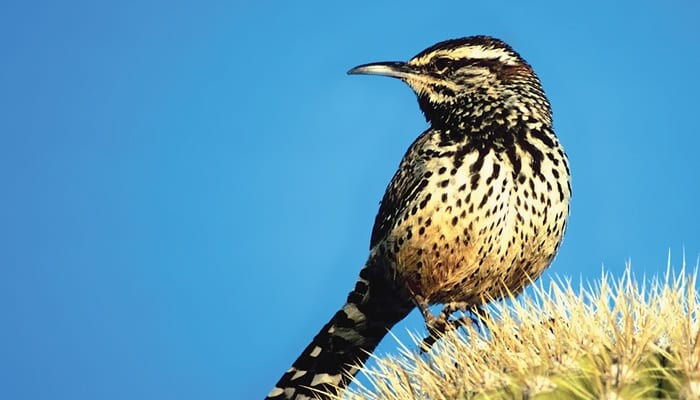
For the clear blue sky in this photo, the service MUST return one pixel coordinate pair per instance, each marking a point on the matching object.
(188, 188)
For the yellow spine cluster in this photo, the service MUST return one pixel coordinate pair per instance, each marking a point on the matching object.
(622, 339)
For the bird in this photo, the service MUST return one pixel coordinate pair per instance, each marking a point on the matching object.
(476, 210)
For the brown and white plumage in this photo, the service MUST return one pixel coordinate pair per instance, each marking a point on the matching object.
(477, 207)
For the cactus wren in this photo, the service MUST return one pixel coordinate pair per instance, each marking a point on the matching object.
(477, 208)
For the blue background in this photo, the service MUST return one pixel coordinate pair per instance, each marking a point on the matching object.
(188, 188)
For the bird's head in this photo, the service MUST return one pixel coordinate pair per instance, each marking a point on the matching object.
(460, 81)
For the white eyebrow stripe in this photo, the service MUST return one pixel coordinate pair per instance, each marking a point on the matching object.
(471, 52)
(479, 52)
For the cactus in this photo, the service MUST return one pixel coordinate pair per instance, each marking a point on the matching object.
(617, 339)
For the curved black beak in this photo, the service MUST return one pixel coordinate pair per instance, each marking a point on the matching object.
(394, 69)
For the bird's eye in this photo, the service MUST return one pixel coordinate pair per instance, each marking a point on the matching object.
(442, 63)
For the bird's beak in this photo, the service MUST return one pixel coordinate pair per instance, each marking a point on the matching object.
(394, 69)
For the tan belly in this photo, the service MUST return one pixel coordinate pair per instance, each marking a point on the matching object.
(483, 245)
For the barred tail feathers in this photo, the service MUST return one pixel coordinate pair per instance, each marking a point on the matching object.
(332, 358)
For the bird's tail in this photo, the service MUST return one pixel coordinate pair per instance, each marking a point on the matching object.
(331, 360)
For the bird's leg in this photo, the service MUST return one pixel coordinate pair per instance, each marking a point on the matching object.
(422, 304)
(438, 326)
(435, 325)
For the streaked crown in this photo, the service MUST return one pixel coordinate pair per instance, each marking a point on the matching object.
(459, 80)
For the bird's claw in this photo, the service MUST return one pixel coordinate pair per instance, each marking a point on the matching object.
(440, 325)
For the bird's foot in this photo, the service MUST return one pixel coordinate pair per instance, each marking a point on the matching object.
(442, 324)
